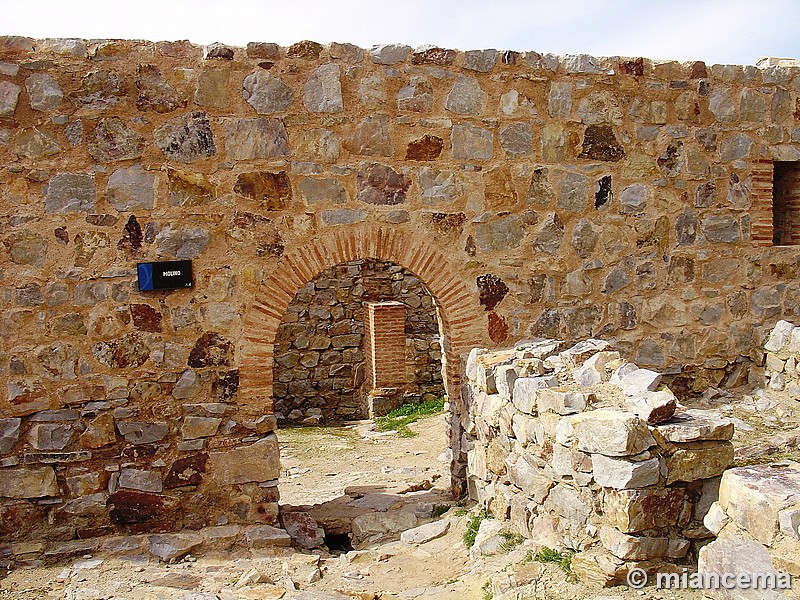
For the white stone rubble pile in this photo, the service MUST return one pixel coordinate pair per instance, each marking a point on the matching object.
(578, 448)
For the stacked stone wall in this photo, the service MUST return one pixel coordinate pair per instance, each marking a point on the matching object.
(532, 194)
(320, 363)
(578, 449)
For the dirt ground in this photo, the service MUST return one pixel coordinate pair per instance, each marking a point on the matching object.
(318, 465)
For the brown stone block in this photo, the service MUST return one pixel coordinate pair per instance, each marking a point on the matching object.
(636, 510)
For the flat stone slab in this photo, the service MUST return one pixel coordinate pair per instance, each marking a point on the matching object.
(425, 533)
(754, 497)
(695, 425)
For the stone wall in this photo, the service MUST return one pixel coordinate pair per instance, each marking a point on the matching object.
(532, 194)
(319, 354)
(577, 448)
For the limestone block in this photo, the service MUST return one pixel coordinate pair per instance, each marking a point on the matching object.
(99, 432)
(611, 433)
(9, 95)
(425, 533)
(526, 391)
(199, 427)
(50, 436)
(652, 407)
(639, 381)
(139, 479)
(131, 189)
(568, 503)
(598, 567)
(174, 546)
(620, 372)
(625, 474)
(69, 192)
(389, 54)
(582, 351)
(488, 540)
(383, 523)
(480, 60)
(737, 554)
(9, 433)
(266, 536)
(698, 460)
(44, 91)
(504, 378)
(527, 430)
(186, 139)
(137, 432)
(694, 425)
(716, 518)
(264, 92)
(789, 520)
(470, 142)
(28, 483)
(629, 547)
(257, 462)
(489, 408)
(323, 90)
(593, 371)
(636, 510)
(526, 475)
(466, 97)
(753, 497)
(563, 403)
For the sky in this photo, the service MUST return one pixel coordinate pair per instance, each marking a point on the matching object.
(714, 31)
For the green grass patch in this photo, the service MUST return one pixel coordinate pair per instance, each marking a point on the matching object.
(562, 559)
(440, 509)
(404, 415)
(473, 525)
(487, 590)
(510, 540)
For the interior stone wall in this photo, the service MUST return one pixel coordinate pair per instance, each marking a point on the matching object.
(320, 364)
(533, 195)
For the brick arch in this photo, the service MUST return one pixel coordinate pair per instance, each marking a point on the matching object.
(460, 313)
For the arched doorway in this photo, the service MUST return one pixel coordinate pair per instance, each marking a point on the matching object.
(321, 367)
(460, 312)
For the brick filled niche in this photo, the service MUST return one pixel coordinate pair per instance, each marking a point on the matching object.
(320, 370)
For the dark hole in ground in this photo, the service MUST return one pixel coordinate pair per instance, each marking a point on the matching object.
(338, 542)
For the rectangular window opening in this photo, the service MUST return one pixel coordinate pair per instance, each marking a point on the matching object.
(786, 203)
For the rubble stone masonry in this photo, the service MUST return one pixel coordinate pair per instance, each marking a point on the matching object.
(532, 195)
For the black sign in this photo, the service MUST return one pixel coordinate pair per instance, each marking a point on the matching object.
(170, 275)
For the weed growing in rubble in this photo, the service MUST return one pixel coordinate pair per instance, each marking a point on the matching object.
(487, 590)
(562, 559)
(401, 417)
(510, 540)
(473, 525)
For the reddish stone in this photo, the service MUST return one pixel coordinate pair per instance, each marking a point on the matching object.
(304, 49)
(498, 328)
(127, 351)
(379, 184)
(303, 529)
(211, 350)
(134, 507)
(273, 190)
(186, 471)
(699, 70)
(428, 147)
(225, 387)
(146, 318)
(599, 143)
(632, 67)
(492, 290)
(62, 235)
(469, 246)
(448, 222)
(132, 235)
(510, 57)
(434, 56)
